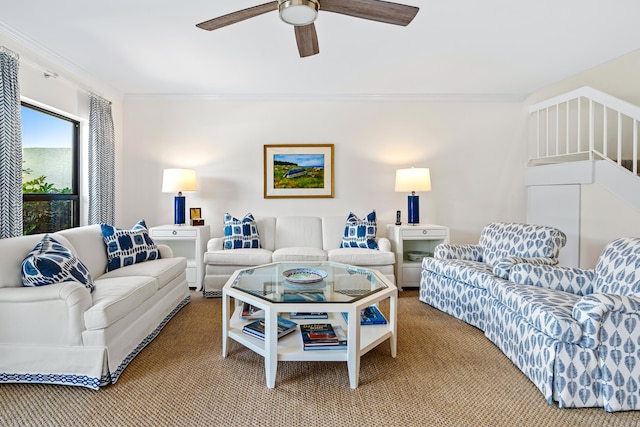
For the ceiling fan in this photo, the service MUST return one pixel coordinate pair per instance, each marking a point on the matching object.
(302, 13)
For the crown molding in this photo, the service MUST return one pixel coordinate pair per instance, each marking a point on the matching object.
(365, 97)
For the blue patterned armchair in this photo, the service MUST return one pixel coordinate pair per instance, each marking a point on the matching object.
(575, 333)
(455, 280)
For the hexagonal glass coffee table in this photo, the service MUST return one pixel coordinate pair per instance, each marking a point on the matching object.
(282, 288)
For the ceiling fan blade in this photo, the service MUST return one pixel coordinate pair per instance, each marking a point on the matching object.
(241, 15)
(307, 40)
(374, 10)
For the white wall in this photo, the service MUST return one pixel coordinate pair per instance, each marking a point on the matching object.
(474, 151)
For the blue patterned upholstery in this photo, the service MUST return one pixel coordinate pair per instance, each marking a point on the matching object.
(360, 233)
(500, 240)
(575, 333)
(239, 234)
(464, 272)
(51, 262)
(568, 279)
(126, 247)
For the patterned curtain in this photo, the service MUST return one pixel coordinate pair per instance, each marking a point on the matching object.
(101, 162)
(10, 146)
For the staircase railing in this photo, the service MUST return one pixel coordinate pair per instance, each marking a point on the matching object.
(585, 124)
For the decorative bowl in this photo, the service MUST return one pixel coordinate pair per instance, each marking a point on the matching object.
(417, 255)
(304, 276)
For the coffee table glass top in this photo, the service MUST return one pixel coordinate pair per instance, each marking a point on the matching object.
(309, 282)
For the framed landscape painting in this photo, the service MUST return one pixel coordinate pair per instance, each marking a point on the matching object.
(298, 171)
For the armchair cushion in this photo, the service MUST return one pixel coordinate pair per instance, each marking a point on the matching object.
(50, 262)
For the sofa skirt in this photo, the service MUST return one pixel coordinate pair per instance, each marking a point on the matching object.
(467, 303)
(563, 372)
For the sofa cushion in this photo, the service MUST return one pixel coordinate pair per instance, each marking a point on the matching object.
(472, 273)
(164, 270)
(238, 257)
(618, 266)
(547, 310)
(298, 231)
(50, 262)
(360, 256)
(239, 234)
(128, 247)
(499, 240)
(360, 233)
(299, 254)
(116, 297)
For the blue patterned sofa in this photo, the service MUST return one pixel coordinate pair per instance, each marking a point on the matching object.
(456, 279)
(575, 333)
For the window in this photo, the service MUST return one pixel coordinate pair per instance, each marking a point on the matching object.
(50, 165)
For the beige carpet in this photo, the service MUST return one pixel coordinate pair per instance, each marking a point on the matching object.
(446, 374)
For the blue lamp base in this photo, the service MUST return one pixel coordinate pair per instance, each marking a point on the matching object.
(413, 212)
(179, 210)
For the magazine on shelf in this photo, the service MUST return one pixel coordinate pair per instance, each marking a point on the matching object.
(318, 334)
(342, 341)
(251, 312)
(369, 316)
(256, 328)
(308, 315)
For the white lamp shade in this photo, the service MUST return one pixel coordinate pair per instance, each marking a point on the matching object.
(177, 180)
(413, 179)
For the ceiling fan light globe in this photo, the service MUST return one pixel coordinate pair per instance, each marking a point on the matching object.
(298, 12)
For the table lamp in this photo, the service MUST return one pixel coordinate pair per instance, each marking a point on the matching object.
(412, 180)
(177, 181)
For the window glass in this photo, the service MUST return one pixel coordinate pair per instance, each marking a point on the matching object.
(49, 171)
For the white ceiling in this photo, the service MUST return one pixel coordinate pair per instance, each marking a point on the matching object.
(453, 47)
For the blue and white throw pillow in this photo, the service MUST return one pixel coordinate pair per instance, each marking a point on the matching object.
(51, 262)
(126, 247)
(241, 234)
(360, 233)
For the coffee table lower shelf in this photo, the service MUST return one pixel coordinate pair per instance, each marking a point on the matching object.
(290, 348)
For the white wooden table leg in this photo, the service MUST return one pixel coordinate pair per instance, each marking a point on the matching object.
(271, 346)
(225, 323)
(353, 346)
(393, 307)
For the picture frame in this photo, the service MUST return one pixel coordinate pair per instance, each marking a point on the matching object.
(298, 171)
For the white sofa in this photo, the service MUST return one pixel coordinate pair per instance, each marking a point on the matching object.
(293, 238)
(64, 334)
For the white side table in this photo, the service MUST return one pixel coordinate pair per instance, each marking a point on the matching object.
(185, 241)
(413, 238)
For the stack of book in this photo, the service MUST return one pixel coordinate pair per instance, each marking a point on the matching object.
(308, 315)
(251, 312)
(323, 336)
(256, 328)
(369, 316)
